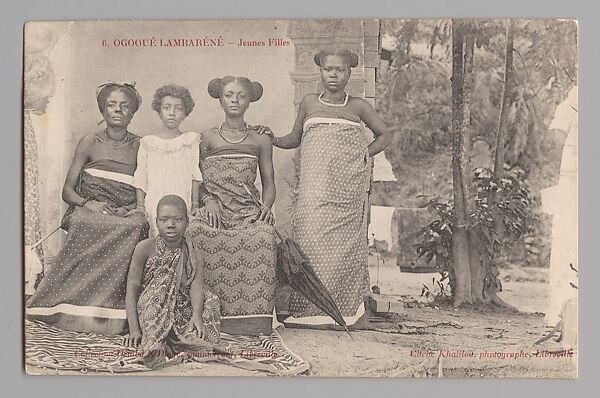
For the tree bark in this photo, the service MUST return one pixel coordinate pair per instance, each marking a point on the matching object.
(476, 254)
(490, 285)
(474, 271)
(460, 243)
(505, 104)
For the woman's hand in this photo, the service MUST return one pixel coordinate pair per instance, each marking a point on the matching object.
(120, 211)
(214, 213)
(266, 215)
(99, 207)
(261, 129)
(195, 210)
(133, 339)
(138, 210)
(197, 325)
(265, 130)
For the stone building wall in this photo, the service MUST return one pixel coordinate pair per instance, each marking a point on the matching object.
(358, 35)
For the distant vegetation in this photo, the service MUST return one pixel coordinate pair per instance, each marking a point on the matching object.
(414, 95)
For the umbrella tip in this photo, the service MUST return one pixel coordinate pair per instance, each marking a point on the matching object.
(348, 331)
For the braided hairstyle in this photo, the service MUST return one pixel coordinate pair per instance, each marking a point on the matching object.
(215, 87)
(348, 56)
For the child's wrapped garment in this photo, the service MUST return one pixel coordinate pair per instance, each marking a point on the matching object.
(165, 309)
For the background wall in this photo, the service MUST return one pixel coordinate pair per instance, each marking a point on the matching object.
(80, 63)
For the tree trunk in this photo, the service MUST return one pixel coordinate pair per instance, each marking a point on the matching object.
(474, 272)
(490, 286)
(460, 243)
(476, 254)
(505, 104)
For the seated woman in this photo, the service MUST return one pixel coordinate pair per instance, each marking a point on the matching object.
(84, 290)
(239, 241)
(168, 309)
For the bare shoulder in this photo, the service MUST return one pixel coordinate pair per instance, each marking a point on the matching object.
(85, 146)
(262, 140)
(310, 99)
(145, 247)
(88, 139)
(360, 106)
(358, 102)
(135, 138)
(308, 103)
(207, 133)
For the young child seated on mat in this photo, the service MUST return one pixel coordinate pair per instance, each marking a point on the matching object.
(168, 308)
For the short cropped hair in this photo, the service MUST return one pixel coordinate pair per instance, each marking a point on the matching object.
(172, 200)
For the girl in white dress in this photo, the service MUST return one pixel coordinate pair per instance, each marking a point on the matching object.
(168, 161)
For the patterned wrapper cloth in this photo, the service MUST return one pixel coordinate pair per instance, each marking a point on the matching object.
(330, 219)
(34, 257)
(165, 309)
(240, 258)
(84, 290)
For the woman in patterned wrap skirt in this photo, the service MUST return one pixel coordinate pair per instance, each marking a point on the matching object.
(84, 289)
(330, 218)
(236, 236)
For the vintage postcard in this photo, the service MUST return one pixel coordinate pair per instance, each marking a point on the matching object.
(356, 198)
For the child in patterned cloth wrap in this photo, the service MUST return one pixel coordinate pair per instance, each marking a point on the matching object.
(168, 309)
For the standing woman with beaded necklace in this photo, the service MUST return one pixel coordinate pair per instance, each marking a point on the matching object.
(236, 235)
(330, 218)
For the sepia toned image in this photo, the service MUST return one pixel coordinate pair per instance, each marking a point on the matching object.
(327, 198)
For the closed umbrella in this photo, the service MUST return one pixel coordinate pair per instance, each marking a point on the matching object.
(293, 268)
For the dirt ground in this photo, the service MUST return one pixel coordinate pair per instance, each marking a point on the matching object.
(429, 341)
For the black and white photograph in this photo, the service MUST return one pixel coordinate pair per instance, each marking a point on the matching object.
(391, 198)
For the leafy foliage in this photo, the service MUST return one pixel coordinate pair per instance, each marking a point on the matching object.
(414, 95)
(436, 237)
(511, 205)
(441, 290)
(418, 101)
(512, 200)
(545, 69)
